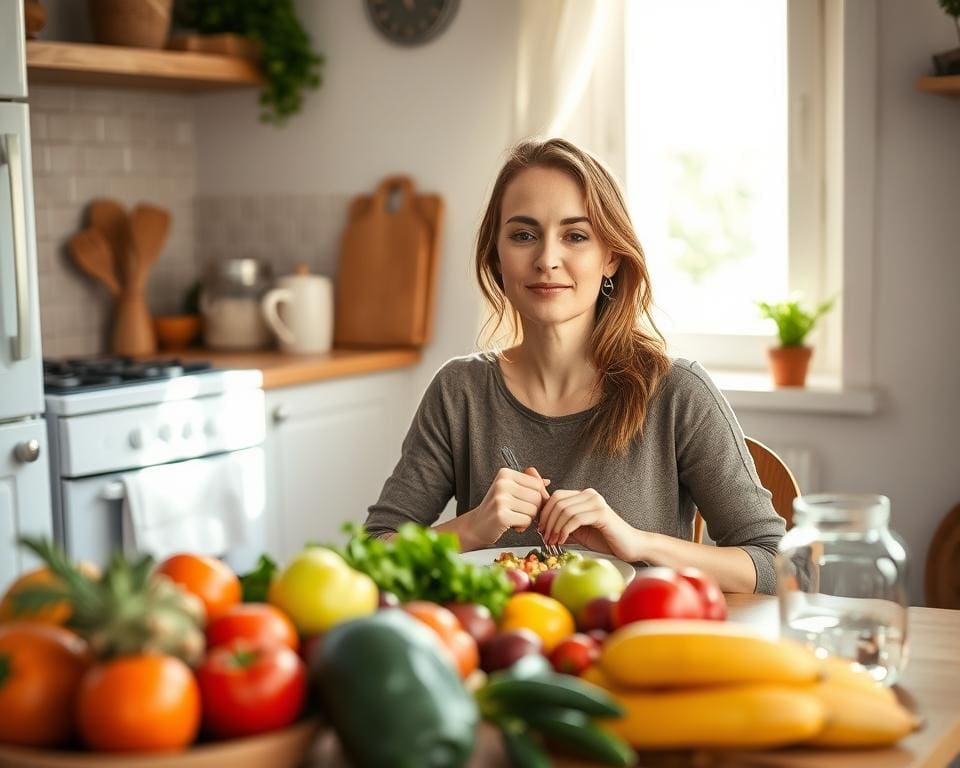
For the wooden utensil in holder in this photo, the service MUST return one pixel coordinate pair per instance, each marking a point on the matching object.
(118, 251)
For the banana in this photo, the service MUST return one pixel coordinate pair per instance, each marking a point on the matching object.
(653, 654)
(851, 675)
(733, 716)
(857, 717)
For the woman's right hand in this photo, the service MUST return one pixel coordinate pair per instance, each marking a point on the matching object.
(512, 501)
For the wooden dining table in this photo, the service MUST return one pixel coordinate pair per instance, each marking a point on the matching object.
(929, 686)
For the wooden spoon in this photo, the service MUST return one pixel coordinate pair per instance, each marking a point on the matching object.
(91, 252)
(110, 218)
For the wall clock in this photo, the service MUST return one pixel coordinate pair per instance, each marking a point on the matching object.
(411, 22)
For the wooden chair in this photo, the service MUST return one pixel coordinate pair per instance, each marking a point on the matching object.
(942, 577)
(774, 475)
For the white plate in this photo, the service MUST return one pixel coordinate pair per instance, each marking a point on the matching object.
(487, 556)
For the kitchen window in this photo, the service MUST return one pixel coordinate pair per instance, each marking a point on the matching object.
(725, 156)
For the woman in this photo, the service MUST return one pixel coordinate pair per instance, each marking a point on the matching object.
(622, 444)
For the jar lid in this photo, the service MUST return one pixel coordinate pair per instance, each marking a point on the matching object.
(866, 510)
(246, 272)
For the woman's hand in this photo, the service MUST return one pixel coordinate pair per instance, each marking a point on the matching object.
(586, 518)
(512, 501)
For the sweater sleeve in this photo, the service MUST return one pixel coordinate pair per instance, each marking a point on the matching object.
(715, 466)
(423, 481)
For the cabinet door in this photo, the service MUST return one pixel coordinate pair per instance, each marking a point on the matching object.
(330, 447)
(24, 494)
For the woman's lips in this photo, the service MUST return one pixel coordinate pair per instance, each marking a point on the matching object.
(545, 290)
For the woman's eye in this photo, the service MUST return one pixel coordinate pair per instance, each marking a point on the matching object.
(578, 237)
(521, 236)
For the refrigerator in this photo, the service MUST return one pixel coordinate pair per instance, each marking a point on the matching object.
(24, 467)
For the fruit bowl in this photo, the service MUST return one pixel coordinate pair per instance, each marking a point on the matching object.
(284, 748)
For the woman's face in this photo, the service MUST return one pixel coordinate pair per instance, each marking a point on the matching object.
(551, 260)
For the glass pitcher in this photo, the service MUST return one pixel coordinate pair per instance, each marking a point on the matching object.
(842, 582)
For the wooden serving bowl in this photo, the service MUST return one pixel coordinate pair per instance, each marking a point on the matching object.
(285, 748)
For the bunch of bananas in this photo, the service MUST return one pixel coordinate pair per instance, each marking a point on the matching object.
(692, 684)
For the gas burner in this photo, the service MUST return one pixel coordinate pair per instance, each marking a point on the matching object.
(86, 373)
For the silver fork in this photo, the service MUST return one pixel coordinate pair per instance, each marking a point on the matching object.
(511, 458)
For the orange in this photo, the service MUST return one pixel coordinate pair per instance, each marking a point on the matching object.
(53, 613)
(457, 642)
(207, 578)
(546, 617)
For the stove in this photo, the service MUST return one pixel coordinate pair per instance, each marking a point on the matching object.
(115, 422)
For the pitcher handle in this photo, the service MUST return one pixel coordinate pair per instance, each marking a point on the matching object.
(268, 307)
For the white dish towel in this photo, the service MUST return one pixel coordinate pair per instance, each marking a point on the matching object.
(207, 506)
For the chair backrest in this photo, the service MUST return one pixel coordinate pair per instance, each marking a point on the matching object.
(942, 578)
(774, 475)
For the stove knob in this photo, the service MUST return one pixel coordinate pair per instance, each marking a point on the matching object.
(165, 433)
(138, 438)
(187, 431)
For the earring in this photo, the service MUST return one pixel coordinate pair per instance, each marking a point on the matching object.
(606, 287)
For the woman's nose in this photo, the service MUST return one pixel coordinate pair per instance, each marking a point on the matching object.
(548, 258)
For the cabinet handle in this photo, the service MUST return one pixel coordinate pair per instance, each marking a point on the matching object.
(27, 451)
(280, 414)
(11, 149)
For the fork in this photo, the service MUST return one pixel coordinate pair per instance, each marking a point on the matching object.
(511, 458)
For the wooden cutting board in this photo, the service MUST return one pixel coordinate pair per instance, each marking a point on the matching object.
(386, 281)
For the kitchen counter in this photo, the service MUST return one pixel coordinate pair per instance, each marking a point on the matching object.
(283, 370)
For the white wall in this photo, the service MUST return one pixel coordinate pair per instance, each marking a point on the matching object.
(908, 450)
(439, 112)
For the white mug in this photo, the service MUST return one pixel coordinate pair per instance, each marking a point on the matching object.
(300, 312)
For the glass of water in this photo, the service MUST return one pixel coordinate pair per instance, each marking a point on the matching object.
(842, 582)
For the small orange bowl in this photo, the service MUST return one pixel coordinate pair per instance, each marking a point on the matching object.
(176, 331)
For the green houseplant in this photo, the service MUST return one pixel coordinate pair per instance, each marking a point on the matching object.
(789, 361)
(290, 65)
(948, 62)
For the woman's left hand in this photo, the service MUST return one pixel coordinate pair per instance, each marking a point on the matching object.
(586, 518)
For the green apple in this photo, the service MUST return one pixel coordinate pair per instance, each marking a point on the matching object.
(318, 590)
(579, 581)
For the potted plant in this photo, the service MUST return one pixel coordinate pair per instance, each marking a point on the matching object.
(289, 64)
(948, 62)
(789, 361)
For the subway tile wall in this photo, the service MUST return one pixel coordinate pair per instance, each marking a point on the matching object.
(135, 146)
(128, 145)
(282, 230)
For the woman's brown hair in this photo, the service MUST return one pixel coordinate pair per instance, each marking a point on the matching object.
(628, 350)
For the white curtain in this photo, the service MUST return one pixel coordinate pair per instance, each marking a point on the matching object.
(560, 42)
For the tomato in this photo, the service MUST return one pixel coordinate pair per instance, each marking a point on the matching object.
(657, 593)
(139, 703)
(207, 578)
(714, 603)
(573, 655)
(547, 617)
(249, 689)
(41, 667)
(260, 623)
(456, 641)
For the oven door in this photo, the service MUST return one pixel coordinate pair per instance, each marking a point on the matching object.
(92, 510)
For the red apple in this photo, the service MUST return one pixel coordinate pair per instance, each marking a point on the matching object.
(714, 603)
(505, 649)
(657, 593)
(519, 579)
(597, 614)
(544, 581)
(476, 619)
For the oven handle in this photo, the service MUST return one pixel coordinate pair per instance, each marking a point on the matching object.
(114, 491)
(11, 150)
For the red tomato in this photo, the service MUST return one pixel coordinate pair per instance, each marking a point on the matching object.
(260, 623)
(657, 593)
(573, 655)
(714, 603)
(248, 689)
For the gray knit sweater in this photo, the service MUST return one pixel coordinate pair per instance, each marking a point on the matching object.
(691, 455)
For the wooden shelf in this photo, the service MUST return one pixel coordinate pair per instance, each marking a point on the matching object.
(109, 65)
(948, 85)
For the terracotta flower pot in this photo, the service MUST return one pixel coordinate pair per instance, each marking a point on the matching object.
(788, 365)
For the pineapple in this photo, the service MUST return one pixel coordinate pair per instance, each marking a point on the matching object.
(128, 610)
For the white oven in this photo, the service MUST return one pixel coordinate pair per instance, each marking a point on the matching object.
(159, 462)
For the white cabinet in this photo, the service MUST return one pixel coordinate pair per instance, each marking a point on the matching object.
(330, 446)
(24, 494)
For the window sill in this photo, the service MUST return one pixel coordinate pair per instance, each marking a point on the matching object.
(754, 391)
